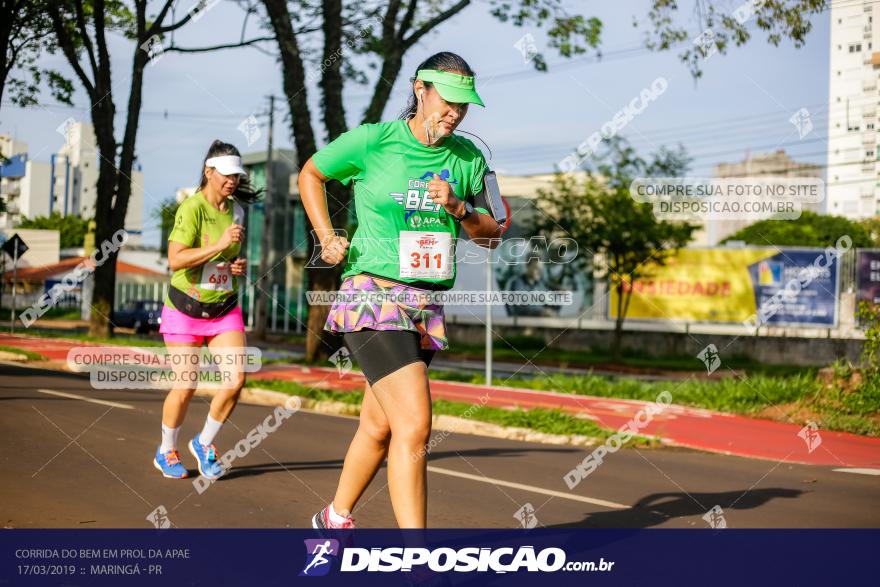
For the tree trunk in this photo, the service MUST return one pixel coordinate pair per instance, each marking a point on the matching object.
(114, 184)
(4, 73)
(7, 17)
(384, 84)
(331, 78)
(294, 84)
(618, 340)
(394, 45)
(618, 325)
(105, 275)
(319, 343)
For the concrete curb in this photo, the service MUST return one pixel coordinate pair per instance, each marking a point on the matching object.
(440, 422)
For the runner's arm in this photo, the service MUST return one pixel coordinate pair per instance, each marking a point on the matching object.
(481, 229)
(314, 199)
(181, 256)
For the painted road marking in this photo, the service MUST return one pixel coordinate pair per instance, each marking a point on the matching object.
(86, 399)
(532, 488)
(860, 471)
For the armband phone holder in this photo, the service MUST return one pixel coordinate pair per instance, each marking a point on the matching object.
(491, 196)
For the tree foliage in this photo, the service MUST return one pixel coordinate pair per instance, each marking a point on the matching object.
(599, 213)
(716, 26)
(25, 35)
(810, 230)
(72, 228)
(319, 40)
(165, 214)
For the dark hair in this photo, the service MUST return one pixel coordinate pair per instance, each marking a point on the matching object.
(245, 192)
(444, 61)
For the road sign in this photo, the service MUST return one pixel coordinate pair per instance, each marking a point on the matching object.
(14, 247)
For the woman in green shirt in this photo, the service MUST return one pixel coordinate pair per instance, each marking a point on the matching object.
(415, 182)
(202, 305)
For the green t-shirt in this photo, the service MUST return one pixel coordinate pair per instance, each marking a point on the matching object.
(391, 170)
(199, 224)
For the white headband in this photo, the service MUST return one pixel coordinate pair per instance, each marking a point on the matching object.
(227, 164)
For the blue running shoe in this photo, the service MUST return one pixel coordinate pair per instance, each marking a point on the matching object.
(206, 455)
(169, 464)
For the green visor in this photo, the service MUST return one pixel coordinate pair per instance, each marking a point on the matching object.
(455, 88)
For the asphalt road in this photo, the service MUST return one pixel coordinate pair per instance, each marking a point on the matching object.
(72, 463)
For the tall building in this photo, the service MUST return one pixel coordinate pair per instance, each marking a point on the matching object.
(66, 184)
(75, 172)
(853, 176)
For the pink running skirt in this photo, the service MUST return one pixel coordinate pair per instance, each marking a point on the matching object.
(178, 327)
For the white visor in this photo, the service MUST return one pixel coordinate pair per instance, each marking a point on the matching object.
(227, 165)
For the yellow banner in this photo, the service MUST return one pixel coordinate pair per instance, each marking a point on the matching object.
(710, 285)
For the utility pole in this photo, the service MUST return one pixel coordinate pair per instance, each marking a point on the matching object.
(267, 259)
(489, 317)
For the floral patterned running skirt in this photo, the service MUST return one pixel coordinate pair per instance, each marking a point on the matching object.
(376, 304)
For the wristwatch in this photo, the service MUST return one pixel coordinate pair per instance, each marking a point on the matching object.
(468, 210)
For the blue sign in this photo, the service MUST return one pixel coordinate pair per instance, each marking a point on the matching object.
(15, 166)
(797, 287)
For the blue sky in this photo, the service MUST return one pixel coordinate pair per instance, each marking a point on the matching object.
(743, 101)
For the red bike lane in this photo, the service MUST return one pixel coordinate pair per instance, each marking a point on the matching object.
(674, 424)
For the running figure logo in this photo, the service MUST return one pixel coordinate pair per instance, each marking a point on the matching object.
(810, 435)
(320, 555)
(715, 518)
(444, 175)
(710, 358)
(526, 516)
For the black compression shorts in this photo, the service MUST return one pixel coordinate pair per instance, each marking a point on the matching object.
(381, 352)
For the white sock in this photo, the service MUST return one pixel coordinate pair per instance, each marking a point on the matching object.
(169, 439)
(212, 427)
(334, 517)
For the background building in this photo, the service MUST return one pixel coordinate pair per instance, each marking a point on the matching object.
(853, 174)
(66, 184)
(778, 164)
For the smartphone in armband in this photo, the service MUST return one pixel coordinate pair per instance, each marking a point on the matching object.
(491, 195)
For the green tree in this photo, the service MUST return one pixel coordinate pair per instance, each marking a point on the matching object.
(872, 227)
(323, 35)
(72, 228)
(810, 230)
(602, 217)
(714, 28)
(165, 215)
(25, 35)
(81, 29)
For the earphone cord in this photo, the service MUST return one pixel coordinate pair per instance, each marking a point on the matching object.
(481, 140)
(458, 130)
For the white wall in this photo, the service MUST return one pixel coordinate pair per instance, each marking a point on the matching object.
(134, 215)
(43, 246)
(35, 185)
(10, 146)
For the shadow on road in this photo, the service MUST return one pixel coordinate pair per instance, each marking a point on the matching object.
(250, 470)
(276, 467)
(656, 508)
(437, 455)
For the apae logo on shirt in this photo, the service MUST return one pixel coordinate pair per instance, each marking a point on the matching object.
(421, 221)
